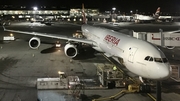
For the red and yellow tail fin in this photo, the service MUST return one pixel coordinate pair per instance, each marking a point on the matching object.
(84, 15)
(157, 11)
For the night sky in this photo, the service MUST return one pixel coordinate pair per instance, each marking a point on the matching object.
(122, 5)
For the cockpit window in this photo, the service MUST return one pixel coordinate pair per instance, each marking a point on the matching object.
(158, 60)
(161, 60)
(147, 58)
(151, 59)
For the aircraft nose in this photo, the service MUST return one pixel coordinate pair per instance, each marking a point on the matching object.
(165, 71)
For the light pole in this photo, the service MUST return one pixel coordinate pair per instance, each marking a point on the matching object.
(113, 9)
(35, 9)
(131, 12)
(113, 14)
(136, 11)
(61, 75)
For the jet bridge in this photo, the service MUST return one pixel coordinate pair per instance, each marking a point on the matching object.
(175, 73)
(169, 39)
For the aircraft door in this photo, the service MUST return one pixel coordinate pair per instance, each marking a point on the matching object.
(132, 51)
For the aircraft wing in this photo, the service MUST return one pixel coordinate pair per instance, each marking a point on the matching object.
(69, 39)
(175, 31)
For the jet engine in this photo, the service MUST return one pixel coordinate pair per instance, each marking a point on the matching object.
(34, 42)
(170, 47)
(70, 50)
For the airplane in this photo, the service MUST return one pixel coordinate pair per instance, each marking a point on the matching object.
(145, 18)
(46, 21)
(40, 19)
(138, 56)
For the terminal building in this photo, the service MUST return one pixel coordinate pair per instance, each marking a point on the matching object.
(22, 12)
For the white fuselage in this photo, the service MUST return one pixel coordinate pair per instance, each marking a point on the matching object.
(144, 17)
(133, 52)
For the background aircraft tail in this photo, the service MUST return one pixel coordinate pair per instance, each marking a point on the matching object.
(157, 12)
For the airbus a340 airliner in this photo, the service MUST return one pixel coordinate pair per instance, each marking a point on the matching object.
(138, 56)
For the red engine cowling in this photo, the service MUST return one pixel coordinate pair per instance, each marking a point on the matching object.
(70, 50)
(34, 43)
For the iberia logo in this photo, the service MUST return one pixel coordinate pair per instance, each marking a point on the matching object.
(112, 39)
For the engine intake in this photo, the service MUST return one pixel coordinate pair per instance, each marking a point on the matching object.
(34, 43)
(70, 50)
(170, 47)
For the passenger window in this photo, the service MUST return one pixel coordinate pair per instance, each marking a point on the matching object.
(147, 58)
(151, 59)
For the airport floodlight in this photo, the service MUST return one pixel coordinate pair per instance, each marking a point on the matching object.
(13, 17)
(11, 35)
(131, 11)
(114, 8)
(35, 8)
(59, 72)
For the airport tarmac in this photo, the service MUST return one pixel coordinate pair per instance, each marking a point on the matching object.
(20, 67)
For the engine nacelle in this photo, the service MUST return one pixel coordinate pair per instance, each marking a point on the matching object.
(34, 43)
(170, 47)
(70, 50)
